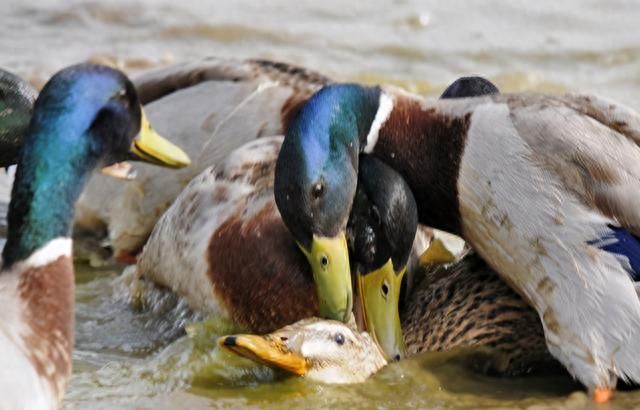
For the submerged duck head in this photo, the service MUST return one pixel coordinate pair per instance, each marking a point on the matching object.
(321, 350)
(86, 116)
(16, 105)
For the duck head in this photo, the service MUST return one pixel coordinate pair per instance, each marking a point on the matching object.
(16, 105)
(315, 182)
(380, 232)
(472, 86)
(321, 350)
(86, 116)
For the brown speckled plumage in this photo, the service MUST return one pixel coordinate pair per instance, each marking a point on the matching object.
(467, 305)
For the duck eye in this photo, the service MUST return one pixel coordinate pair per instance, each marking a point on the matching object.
(317, 190)
(324, 261)
(385, 289)
(122, 97)
(339, 338)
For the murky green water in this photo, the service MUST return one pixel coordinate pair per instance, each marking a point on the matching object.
(139, 359)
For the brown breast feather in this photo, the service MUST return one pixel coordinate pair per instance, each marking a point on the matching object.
(48, 294)
(259, 273)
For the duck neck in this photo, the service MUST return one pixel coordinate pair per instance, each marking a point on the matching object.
(426, 147)
(43, 196)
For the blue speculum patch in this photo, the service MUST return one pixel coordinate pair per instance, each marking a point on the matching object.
(623, 243)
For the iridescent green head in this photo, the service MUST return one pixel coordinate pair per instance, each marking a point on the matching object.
(315, 181)
(85, 116)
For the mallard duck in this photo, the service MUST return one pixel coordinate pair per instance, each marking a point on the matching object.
(543, 187)
(230, 209)
(16, 104)
(210, 107)
(461, 305)
(222, 246)
(86, 116)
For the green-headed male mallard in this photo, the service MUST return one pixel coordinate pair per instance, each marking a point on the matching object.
(16, 105)
(543, 187)
(86, 116)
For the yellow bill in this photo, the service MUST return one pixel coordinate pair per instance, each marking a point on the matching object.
(436, 254)
(329, 260)
(270, 352)
(150, 147)
(379, 293)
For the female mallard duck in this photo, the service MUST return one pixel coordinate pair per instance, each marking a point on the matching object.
(210, 107)
(222, 245)
(16, 104)
(543, 187)
(86, 116)
(463, 305)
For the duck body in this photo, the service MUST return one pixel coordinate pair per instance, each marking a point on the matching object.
(542, 187)
(554, 196)
(210, 107)
(86, 116)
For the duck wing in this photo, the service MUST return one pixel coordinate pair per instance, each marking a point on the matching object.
(558, 219)
(592, 145)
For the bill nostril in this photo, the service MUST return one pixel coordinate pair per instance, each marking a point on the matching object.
(396, 358)
(230, 340)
